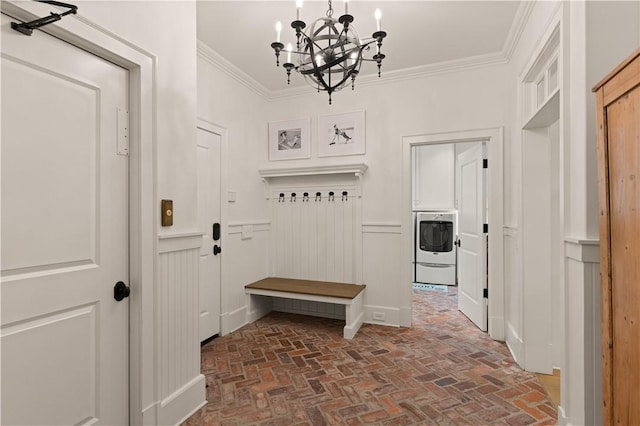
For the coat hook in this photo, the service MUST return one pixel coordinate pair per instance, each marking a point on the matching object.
(344, 195)
(318, 196)
(305, 197)
(281, 198)
(293, 197)
(331, 198)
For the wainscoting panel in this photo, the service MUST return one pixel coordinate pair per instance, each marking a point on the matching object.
(582, 372)
(177, 315)
(382, 261)
(314, 237)
(306, 307)
(513, 293)
(245, 260)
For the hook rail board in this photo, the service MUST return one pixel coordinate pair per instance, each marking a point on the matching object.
(314, 234)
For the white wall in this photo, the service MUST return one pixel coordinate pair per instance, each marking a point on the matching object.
(230, 104)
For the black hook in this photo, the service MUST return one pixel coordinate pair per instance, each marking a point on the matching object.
(331, 198)
(318, 196)
(305, 197)
(344, 195)
(27, 28)
(293, 197)
(281, 198)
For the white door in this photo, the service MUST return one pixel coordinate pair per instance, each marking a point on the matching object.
(472, 253)
(209, 145)
(64, 237)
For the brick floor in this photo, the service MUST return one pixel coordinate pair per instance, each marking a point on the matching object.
(290, 369)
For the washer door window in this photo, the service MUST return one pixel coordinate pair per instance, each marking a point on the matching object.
(436, 236)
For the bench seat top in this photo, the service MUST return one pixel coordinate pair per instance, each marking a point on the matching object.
(316, 288)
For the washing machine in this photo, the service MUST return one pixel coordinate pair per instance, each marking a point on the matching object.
(435, 249)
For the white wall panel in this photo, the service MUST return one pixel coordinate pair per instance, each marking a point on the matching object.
(245, 260)
(314, 238)
(581, 386)
(381, 265)
(179, 351)
(513, 293)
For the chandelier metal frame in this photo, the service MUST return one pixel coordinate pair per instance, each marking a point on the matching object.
(329, 56)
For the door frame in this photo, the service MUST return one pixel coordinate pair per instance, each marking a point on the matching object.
(495, 195)
(86, 35)
(223, 132)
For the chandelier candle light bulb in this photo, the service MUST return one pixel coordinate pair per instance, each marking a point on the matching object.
(298, 7)
(278, 30)
(330, 53)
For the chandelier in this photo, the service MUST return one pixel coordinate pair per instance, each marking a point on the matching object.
(330, 53)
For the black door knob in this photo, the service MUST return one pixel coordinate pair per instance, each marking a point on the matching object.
(120, 291)
(216, 250)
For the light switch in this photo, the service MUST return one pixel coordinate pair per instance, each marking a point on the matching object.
(167, 212)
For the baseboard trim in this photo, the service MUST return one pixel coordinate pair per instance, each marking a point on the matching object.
(231, 321)
(562, 418)
(179, 406)
(515, 345)
(496, 329)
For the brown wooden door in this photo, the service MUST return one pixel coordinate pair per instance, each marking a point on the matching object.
(618, 114)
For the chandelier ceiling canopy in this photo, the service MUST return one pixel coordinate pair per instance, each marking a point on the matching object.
(330, 53)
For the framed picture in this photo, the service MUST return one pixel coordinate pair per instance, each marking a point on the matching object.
(341, 134)
(289, 140)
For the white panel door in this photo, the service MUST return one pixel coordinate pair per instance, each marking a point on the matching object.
(64, 235)
(209, 145)
(472, 253)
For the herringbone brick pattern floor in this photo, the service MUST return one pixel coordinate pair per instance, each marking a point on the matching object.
(296, 370)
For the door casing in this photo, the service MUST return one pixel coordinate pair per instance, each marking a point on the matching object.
(209, 126)
(495, 195)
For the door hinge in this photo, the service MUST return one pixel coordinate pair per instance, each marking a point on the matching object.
(485, 228)
(485, 293)
(123, 132)
(485, 163)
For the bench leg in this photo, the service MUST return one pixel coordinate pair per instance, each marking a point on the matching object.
(257, 307)
(354, 314)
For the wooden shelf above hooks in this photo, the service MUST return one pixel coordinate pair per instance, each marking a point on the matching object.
(356, 169)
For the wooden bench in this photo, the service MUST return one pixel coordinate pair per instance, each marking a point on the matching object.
(349, 295)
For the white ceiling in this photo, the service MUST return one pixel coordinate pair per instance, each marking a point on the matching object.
(420, 33)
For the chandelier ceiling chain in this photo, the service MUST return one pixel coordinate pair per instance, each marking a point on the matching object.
(330, 53)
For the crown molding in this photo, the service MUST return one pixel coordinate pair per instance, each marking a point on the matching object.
(464, 64)
(215, 59)
(389, 77)
(517, 28)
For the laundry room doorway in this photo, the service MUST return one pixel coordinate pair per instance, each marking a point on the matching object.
(450, 210)
(453, 200)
